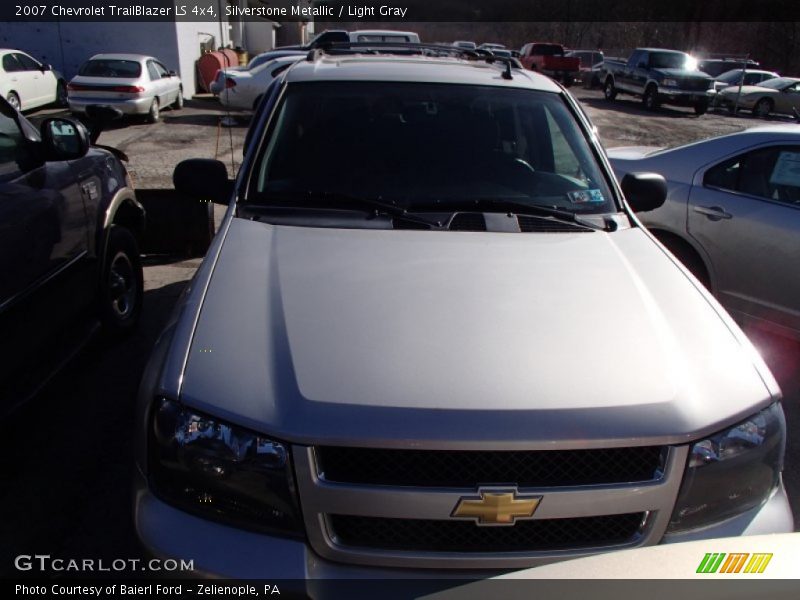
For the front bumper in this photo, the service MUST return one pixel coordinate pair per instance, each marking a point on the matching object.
(128, 106)
(683, 97)
(222, 551)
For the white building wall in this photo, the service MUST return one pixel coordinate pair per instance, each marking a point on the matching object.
(189, 36)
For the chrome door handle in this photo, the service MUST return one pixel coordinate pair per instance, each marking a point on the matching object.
(715, 213)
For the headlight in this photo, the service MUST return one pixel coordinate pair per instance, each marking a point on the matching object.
(670, 82)
(731, 472)
(221, 471)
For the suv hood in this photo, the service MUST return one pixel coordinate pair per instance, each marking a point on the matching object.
(460, 339)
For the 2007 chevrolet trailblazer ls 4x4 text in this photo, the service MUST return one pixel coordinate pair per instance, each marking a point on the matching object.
(432, 335)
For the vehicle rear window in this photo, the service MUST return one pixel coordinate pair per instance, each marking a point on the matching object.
(548, 49)
(418, 143)
(123, 69)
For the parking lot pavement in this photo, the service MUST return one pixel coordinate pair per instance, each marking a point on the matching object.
(625, 122)
(67, 456)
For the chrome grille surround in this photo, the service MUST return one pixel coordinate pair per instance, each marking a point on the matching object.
(320, 498)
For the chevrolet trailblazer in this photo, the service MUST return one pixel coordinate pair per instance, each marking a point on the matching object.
(431, 336)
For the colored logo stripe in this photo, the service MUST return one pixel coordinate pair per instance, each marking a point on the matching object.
(711, 562)
(734, 563)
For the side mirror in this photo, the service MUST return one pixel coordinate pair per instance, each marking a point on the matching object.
(644, 191)
(64, 139)
(204, 179)
(173, 74)
(44, 68)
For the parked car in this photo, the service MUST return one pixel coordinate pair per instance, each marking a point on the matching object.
(26, 83)
(243, 89)
(134, 83)
(465, 44)
(485, 368)
(717, 66)
(591, 66)
(780, 95)
(732, 216)
(339, 36)
(491, 47)
(736, 77)
(658, 76)
(69, 260)
(551, 59)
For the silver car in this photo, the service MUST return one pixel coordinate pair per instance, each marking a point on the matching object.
(780, 95)
(733, 217)
(432, 335)
(133, 83)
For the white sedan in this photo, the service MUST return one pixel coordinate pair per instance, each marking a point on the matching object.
(26, 83)
(241, 89)
(732, 216)
(133, 83)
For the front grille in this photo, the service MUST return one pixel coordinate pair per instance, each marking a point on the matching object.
(426, 535)
(693, 85)
(448, 468)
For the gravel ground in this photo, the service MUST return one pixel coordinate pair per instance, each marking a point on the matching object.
(66, 458)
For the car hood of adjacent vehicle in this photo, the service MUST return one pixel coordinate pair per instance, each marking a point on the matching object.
(461, 339)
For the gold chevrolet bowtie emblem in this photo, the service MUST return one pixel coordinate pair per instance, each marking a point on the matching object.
(496, 507)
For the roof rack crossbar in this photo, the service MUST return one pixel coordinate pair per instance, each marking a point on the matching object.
(404, 48)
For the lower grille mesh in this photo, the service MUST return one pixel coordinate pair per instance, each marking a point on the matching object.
(424, 535)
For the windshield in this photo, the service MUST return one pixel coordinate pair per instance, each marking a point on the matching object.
(670, 60)
(105, 67)
(778, 83)
(731, 76)
(416, 145)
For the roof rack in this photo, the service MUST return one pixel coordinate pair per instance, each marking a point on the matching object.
(410, 49)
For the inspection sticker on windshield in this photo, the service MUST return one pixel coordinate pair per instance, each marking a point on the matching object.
(585, 196)
(787, 170)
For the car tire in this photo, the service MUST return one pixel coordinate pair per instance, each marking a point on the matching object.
(178, 104)
(568, 80)
(154, 115)
(762, 108)
(121, 283)
(701, 107)
(61, 94)
(13, 100)
(650, 98)
(609, 91)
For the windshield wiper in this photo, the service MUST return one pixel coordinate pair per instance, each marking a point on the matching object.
(511, 206)
(334, 200)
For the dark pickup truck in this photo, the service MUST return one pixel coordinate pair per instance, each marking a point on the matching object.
(658, 77)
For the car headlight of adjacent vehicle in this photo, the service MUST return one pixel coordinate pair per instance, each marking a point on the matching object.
(731, 472)
(220, 471)
(670, 82)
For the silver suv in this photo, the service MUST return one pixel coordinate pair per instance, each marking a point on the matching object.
(431, 334)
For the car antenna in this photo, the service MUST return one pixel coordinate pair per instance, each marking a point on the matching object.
(507, 72)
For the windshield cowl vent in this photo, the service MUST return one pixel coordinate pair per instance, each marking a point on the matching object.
(529, 224)
(468, 222)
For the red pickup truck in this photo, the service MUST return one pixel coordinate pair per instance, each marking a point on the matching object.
(549, 59)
